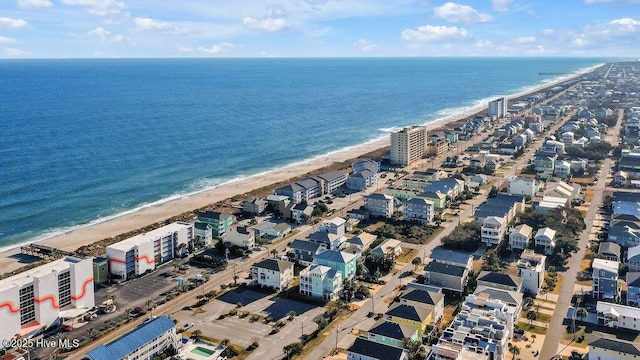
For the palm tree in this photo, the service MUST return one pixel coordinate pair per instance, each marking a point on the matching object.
(416, 262)
(531, 315)
(196, 334)
(514, 350)
(533, 338)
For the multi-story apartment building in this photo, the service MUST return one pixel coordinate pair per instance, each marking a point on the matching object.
(498, 108)
(379, 204)
(418, 210)
(408, 145)
(618, 316)
(40, 297)
(141, 253)
(320, 281)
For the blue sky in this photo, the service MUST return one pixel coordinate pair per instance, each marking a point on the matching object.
(316, 28)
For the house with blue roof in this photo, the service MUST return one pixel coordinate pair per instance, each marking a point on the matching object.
(145, 342)
(450, 187)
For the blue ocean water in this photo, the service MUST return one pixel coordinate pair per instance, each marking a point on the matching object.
(81, 140)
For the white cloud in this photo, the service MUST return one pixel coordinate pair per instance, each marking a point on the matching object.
(428, 33)
(501, 5)
(217, 48)
(547, 32)
(6, 40)
(98, 7)
(155, 25)
(483, 44)
(365, 45)
(580, 41)
(16, 52)
(105, 35)
(34, 4)
(6, 22)
(526, 40)
(626, 24)
(266, 24)
(185, 49)
(457, 13)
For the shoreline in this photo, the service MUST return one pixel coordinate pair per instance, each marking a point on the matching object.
(144, 217)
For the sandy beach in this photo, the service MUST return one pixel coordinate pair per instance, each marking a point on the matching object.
(11, 260)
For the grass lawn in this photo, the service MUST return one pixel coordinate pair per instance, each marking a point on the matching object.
(588, 196)
(532, 328)
(546, 318)
(556, 290)
(407, 255)
(567, 338)
(586, 263)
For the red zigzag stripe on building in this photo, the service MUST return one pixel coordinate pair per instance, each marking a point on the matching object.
(144, 257)
(54, 303)
(84, 289)
(11, 306)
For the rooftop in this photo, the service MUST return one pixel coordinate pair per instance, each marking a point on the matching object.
(438, 267)
(445, 255)
(160, 232)
(335, 256)
(375, 350)
(273, 264)
(500, 278)
(392, 330)
(143, 334)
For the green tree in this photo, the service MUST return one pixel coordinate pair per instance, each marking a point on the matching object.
(493, 192)
(491, 261)
(531, 316)
(514, 350)
(416, 262)
(293, 349)
(581, 313)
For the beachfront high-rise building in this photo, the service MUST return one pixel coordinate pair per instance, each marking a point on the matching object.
(408, 145)
(143, 252)
(40, 297)
(498, 108)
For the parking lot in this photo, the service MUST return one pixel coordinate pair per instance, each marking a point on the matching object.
(243, 330)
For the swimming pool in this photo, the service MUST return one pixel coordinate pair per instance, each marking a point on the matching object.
(199, 350)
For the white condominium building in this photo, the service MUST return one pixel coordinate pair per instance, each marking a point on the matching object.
(40, 297)
(136, 255)
(408, 145)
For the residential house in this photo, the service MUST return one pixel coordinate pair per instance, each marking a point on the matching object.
(403, 193)
(331, 241)
(517, 185)
(502, 205)
(520, 236)
(549, 203)
(562, 169)
(492, 164)
(633, 289)
(363, 349)
(560, 189)
(321, 282)
(513, 299)
(220, 223)
(483, 326)
(450, 186)
(626, 203)
(624, 233)
(618, 316)
(416, 182)
(378, 204)
(362, 240)
(241, 236)
(500, 281)
(272, 273)
(406, 314)
(450, 257)
(446, 276)
(253, 206)
(609, 251)
(531, 270)
(568, 137)
(302, 190)
(633, 258)
(361, 180)
(545, 238)
(605, 279)
(420, 295)
(493, 230)
(418, 210)
(451, 137)
(439, 199)
(334, 226)
(621, 178)
(278, 231)
(391, 333)
(544, 166)
(263, 228)
(389, 247)
(202, 233)
(609, 347)
(145, 342)
(278, 203)
(300, 212)
(344, 262)
(303, 251)
(429, 174)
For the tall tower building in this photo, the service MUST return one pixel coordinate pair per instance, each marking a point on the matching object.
(498, 108)
(408, 145)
